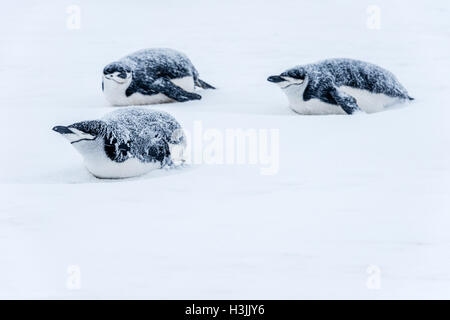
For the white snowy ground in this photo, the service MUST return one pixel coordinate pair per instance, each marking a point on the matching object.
(351, 192)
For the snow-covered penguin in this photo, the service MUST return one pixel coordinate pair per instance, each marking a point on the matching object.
(151, 76)
(127, 142)
(340, 86)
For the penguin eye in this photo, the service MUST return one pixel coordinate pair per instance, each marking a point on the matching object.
(296, 74)
(122, 75)
(91, 132)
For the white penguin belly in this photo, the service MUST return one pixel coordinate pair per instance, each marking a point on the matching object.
(315, 106)
(115, 93)
(98, 163)
(371, 102)
(103, 167)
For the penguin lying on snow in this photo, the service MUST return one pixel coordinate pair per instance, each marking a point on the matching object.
(128, 142)
(151, 76)
(340, 86)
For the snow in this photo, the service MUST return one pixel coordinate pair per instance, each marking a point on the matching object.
(357, 201)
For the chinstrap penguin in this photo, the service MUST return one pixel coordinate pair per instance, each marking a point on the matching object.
(340, 86)
(127, 142)
(151, 76)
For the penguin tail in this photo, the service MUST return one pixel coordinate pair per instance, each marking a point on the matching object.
(410, 98)
(202, 84)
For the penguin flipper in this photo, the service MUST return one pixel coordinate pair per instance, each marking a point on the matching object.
(133, 89)
(344, 100)
(202, 84)
(167, 87)
(158, 151)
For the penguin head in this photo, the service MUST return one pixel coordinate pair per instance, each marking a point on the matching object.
(118, 72)
(85, 136)
(293, 77)
(293, 82)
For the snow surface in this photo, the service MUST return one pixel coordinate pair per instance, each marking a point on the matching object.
(353, 194)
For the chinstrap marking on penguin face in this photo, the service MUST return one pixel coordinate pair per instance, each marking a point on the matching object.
(117, 67)
(286, 80)
(118, 77)
(289, 81)
(73, 135)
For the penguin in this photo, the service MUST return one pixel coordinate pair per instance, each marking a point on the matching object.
(151, 76)
(127, 142)
(340, 86)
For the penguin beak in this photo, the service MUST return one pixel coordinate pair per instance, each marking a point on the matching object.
(72, 134)
(276, 79)
(62, 130)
